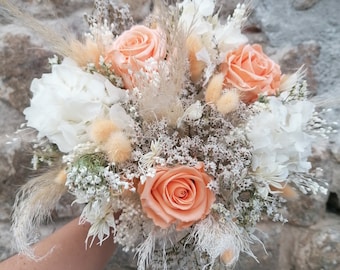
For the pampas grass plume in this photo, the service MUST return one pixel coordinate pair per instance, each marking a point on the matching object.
(228, 102)
(288, 81)
(101, 129)
(214, 89)
(85, 53)
(194, 45)
(33, 205)
(65, 44)
(61, 178)
(118, 147)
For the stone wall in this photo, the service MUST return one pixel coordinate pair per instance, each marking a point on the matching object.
(294, 32)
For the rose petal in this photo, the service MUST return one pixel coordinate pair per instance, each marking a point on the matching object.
(132, 48)
(177, 195)
(252, 72)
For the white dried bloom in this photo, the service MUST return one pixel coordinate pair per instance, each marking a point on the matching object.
(216, 237)
(280, 143)
(198, 18)
(66, 101)
(194, 112)
(229, 36)
(101, 217)
(194, 13)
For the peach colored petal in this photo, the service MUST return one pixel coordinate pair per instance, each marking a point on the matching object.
(132, 48)
(252, 72)
(152, 208)
(177, 195)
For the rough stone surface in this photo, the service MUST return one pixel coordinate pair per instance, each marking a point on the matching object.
(294, 33)
(304, 4)
(140, 9)
(307, 210)
(318, 247)
(19, 55)
(14, 161)
(305, 54)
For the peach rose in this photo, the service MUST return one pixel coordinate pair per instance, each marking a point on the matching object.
(177, 195)
(252, 72)
(132, 48)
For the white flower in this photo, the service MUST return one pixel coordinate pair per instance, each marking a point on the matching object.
(216, 237)
(194, 13)
(148, 160)
(101, 217)
(193, 112)
(266, 177)
(198, 18)
(229, 36)
(119, 116)
(280, 143)
(66, 101)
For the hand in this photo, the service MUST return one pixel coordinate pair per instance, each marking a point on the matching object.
(64, 249)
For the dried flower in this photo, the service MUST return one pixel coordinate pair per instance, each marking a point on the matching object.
(129, 52)
(252, 72)
(194, 45)
(118, 147)
(177, 195)
(84, 96)
(228, 102)
(214, 89)
(181, 126)
(101, 129)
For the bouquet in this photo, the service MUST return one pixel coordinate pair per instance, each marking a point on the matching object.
(176, 135)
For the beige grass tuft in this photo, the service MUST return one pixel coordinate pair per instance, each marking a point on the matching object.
(194, 45)
(66, 44)
(118, 147)
(101, 129)
(228, 102)
(214, 89)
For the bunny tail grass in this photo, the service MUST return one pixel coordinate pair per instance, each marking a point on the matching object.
(33, 205)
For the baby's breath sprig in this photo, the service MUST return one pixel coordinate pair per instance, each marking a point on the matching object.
(105, 69)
